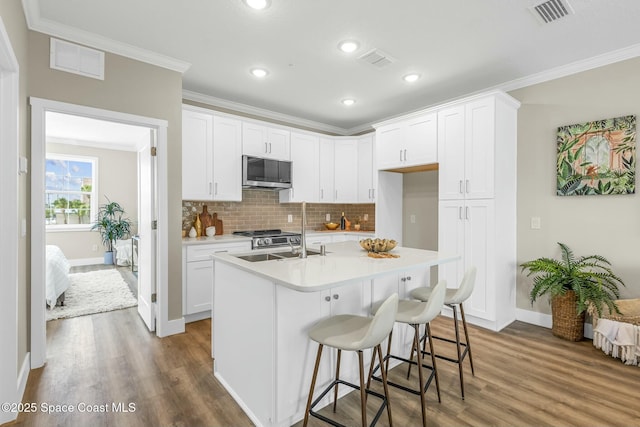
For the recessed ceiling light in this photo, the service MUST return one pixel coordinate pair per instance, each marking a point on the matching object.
(259, 72)
(410, 78)
(258, 4)
(348, 102)
(348, 46)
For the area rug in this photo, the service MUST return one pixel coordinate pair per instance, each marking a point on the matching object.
(93, 292)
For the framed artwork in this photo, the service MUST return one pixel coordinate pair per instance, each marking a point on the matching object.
(598, 157)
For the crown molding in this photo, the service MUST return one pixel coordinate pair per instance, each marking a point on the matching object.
(36, 23)
(261, 112)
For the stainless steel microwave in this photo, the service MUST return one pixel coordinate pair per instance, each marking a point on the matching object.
(272, 174)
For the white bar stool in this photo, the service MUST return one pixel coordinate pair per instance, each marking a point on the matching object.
(353, 333)
(454, 299)
(416, 313)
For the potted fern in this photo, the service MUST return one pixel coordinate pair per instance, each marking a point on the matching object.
(573, 285)
(112, 225)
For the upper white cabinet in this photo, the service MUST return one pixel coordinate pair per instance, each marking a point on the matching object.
(305, 154)
(366, 172)
(211, 156)
(411, 142)
(466, 142)
(197, 155)
(327, 170)
(265, 141)
(346, 171)
(227, 154)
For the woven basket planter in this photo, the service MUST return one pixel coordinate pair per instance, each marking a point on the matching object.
(566, 323)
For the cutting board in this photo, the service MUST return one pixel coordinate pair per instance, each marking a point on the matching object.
(217, 223)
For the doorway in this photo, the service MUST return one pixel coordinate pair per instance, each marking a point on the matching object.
(152, 239)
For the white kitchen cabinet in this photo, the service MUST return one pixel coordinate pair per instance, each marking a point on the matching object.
(198, 274)
(412, 142)
(197, 155)
(293, 372)
(366, 172)
(327, 170)
(466, 141)
(477, 206)
(265, 141)
(346, 171)
(227, 159)
(305, 153)
(211, 156)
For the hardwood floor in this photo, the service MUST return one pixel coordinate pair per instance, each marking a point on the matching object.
(524, 377)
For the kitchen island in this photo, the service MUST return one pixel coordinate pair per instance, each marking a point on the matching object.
(263, 310)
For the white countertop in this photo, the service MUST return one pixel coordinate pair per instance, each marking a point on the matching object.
(345, 262)
(222, 238)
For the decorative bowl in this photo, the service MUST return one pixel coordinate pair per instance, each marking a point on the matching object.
(378, 245)
(331, 225)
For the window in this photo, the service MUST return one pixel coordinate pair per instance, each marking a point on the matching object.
(70, 192)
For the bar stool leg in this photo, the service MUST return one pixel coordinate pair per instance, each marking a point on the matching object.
(313, 385)
(433, 359)
(466, 336)
(416, 340)
(384, 384)
(335, 390)
(460, 370)
(413, 348)
(363, 391)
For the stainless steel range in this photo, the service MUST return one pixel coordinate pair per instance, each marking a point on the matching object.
(262, 239)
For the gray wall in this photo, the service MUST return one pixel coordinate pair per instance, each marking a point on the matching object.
(131, 87)
(117, 179)
(604, 225)
(420, 199)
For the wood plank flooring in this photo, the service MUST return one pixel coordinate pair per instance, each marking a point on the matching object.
(524, 377)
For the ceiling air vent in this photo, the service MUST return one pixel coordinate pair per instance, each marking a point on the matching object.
(377, 58)
(551, 10)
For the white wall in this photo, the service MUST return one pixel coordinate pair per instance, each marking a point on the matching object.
(604, 225)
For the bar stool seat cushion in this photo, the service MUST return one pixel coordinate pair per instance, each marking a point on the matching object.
(411, 312)
(424, 293)
(343, 331)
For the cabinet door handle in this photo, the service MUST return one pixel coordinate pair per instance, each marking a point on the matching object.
(400, 155)
(269, 148)
(336, 296)
(322, 193)
(405, 155)
(336, 194)
(373, 193)
(209, 188)
(327, 298)
(460, 212)
(408, 278)
(461, 190)
(466, 186)
(266, 148)
(466, 213)
(215, 189)
(403, 279)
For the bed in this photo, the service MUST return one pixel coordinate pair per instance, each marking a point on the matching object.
(57, 278)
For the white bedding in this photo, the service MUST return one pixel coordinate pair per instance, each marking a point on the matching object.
(57, 274)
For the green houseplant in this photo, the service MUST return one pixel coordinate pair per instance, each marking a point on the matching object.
(574, 284)
(112, 225)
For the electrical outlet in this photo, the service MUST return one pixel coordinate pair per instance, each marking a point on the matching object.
(366, 217)
(327, 217)
(94, 248)
(412, 218)
(289, 218)
(535, 223)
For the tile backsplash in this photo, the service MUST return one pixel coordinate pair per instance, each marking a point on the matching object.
(261, 209)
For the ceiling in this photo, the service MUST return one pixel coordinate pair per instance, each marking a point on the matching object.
(457, 46)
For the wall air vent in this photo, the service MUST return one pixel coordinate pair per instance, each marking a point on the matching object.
(551, 10)
(73, 58)
(377, 58)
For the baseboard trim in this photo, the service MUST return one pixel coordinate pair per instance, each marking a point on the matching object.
(85, 261)
(545, 320)
(23, 376)
(172, 327)
(188, 318)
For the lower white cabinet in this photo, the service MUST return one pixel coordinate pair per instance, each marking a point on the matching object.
(197, 286)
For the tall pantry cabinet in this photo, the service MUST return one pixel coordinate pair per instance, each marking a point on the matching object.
(477, 202)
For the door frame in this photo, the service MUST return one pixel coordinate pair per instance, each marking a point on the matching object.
(39, 107)
(11, 385)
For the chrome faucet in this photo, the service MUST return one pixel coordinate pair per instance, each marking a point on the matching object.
(303, 237)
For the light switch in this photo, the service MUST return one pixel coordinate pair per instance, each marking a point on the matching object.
(412, 218)
(289, 218)
(23, 165)
(366, 217)
(23, 227)
(535, 223)
(327, 217)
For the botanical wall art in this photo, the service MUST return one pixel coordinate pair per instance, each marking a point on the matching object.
(597, 157)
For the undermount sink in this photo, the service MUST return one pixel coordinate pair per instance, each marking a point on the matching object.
(274, 256)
